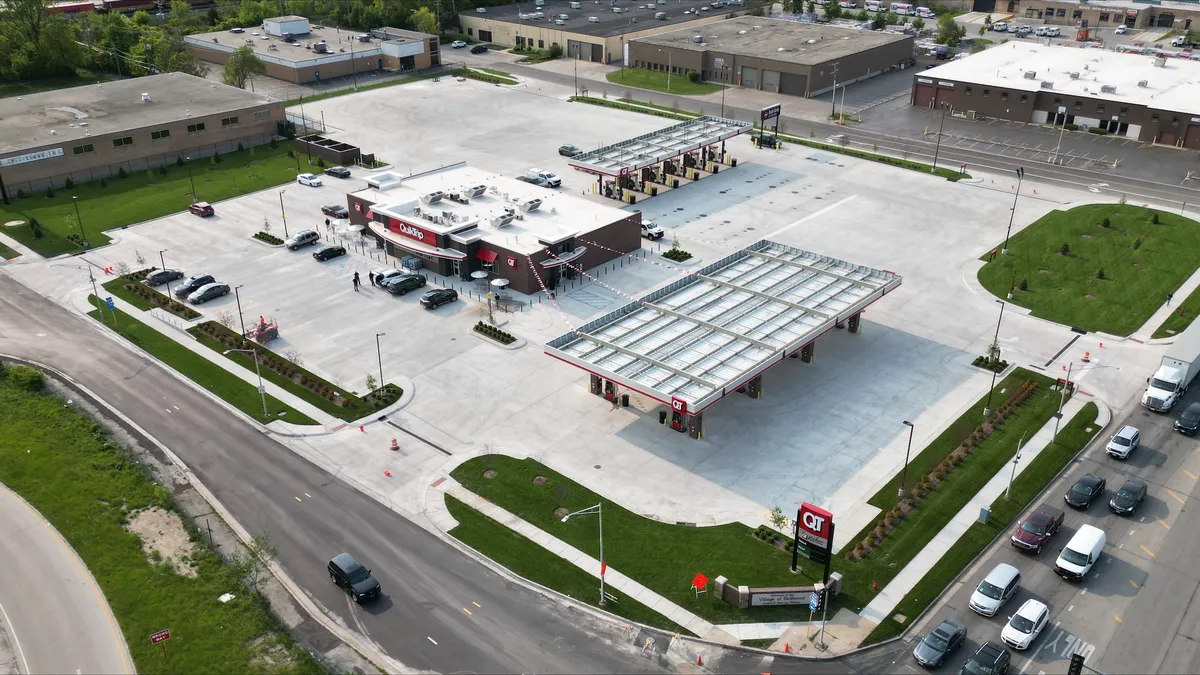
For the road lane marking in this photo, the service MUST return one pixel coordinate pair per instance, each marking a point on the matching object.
(1084, 591)
(308, 495)
(431, 640)
(298, 499)
(175, 407)
(1117, 619)
(168, 410)
(1162, 522)
(12, 630)
(477, 605)
(467, 611)
(1179, 499)
(1189, 473)
(1072, 607)
(1148, 551)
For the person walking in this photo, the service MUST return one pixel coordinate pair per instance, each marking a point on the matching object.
(356, 282)
(371, 276)
(1169, 296)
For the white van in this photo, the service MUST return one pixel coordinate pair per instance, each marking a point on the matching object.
(872, 5)
(926, 13)
(848, 4)
(996, 588)
(901, 8)
(1053, 31)
(1081, 553)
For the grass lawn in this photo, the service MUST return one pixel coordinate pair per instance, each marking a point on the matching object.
(488, 75)
(240, 394)
(1182, 315)
(7, 252)
(81, 481)
(142, 196)
(175, 307)
(27, 87)
(535, 563)
(657, 81)
(1049, 462)
(1066, 288)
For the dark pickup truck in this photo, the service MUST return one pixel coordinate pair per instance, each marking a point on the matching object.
(1037, 528)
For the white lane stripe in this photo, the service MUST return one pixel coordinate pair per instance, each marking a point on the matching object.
(809, 217)
(12, 630)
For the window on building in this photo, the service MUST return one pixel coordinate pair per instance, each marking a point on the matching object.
(229, 121)
(986, 92)
(1062, 11)
(1029, 13)
(160, 134)
(487, 266)
(1004, 96)
(121, 142)
(1104, 16)
(1124, 110)
(262, 115)
(1077, 14)
(541, 44)
(1154, 117)
(196, 128)
(1078, 105)
(470, 31)
(1024, 98)
(82, 149)
(968, 91)
(1100, 108)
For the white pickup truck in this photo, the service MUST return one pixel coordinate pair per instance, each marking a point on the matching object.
(544, 178)
(651, 230)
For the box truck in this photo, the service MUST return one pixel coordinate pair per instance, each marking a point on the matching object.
(1179, 367)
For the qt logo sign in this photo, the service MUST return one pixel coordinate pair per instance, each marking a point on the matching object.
(679, 405)
(815, 524)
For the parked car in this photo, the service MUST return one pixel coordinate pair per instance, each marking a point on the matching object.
(208, 292)
(338, 172)
(942, 641)
(1122, 29)
(352, 577)
(1024, 31)
(458, 44)
(436, 298)
(1123, 442)
(309, 180)
(192, 283)
(328, 253)
(1080, 554)
(1126, 499)
(1085, 490)
(1024, 626)
(1189, 420)
(1040, 31)
(403, 284)
(202, 209)
(568, 150)
(386, 274)
(999, 26)
(304, 238)
(651, 230)
(991, 659)
(996, 588)
(335, 211)
(160, 277)
(1037, 529)
(478, 49)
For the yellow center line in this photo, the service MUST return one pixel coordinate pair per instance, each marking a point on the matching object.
(477, 605)
(1148, 552)
(467, 611)
(1179, 499)
(1134, 583)
(1117, 618)
(298, 499)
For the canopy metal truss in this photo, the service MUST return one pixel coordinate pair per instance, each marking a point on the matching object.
(626, 157)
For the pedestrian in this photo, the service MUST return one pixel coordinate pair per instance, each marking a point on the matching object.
(1169, 296)
(356, 282)
(371, 276)
(327, 225)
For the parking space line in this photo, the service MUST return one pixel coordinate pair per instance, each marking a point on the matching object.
(1117, 619)
(1162, 522)
(1189, 473)
(1148, 551)
(1179, 499)
(1133, 583)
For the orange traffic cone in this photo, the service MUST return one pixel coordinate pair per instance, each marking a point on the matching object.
(360, 428)
(787, 648)
(395, 445)
(1087, 357)
(387, 473)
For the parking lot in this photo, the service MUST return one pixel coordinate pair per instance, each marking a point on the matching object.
(1134, 611)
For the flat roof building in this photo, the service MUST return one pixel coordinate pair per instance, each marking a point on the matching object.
(1150, 98)
(91, 132)
(460, 220)
(297, 51)
(785, 57)
(591, 31)
(1108, 13)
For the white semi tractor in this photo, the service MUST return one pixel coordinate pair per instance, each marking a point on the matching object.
(1179, 367)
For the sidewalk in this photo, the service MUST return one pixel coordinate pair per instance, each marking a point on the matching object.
(1143, 334)
(27, 254)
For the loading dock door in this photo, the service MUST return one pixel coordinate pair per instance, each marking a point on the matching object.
(943, 95)
(749, 77)
(1191, 139)
(572, 49)
(793, 84)
(1166, 20)
(924, 97)
(770, 81)
(598, 53)
(1167, 138)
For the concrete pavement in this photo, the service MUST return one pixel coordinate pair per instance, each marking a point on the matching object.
(52, 611)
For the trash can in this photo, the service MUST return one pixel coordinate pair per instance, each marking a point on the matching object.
(632, 198)
(624, 400)
(733, 163)
(654, 191)
(662, 416)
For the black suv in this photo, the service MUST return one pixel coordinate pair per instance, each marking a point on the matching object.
(1189, 420)
(338, 172)
(478, 49)
(160, 277)
(353, 578)
(404, 284)
(437, 298)
(991, 659)
(193, 283)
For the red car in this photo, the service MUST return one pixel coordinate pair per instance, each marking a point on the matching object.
(1037, 528)
(202, 209)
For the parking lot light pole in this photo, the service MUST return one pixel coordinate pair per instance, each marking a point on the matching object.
(241, 320)
(938, 148)
(379, 356)
(79, 219)
(668, 71)
(904, 476)
(164, 267)
(599, 511)
(283, 213)
(190, 180)
(1020, 177)
(995, 349)
(262, 391)
(1013, 475)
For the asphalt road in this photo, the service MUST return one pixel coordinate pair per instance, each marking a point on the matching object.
(311, 516)
(55, 619)
(1137, 611)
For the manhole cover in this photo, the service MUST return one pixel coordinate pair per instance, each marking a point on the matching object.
(725, 221)
(703, 215)
(771, 187)
(596, 466)
(678, 208)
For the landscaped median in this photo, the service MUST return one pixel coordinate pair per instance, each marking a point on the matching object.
(1182, 315)
(227, 386)
(665, 557)
(1033, 479)
(131, 289)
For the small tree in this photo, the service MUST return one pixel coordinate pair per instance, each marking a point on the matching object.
(141, 259)
(321, 161)
(240, 146)
(216, 158)
(1100, 274)
(948, 30)
(293, 355)
(1106, 222)
(863, 16)
(919, 23)
(50, 192)
(274, 143)
(1064, 250)
(833, 10)
(372, 383)
(1137, 243)
(266, 225)
(179, 160)
(252, 563)
(122, 269)
(1154, 218)
(69, 184)
(122, 173)
(1121, 201)
(225, 318)
(810, 7)
(778, 518)
(1024, 285)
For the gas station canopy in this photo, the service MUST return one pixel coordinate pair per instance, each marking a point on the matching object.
(708, 333)
(649, 149)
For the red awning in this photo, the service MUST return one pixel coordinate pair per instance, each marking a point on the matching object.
(486, 255)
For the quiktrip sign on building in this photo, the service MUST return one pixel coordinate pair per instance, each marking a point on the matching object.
(412, 231)
(31, 157)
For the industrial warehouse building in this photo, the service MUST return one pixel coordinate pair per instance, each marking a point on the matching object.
(299, 52)
(588, 30)
(1152, 99)
(784, 57)
(458, 220)
(1109, 13)
(91, 132)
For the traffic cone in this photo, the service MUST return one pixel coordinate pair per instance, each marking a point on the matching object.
(699, 660)
(387, 473)
(1087, 357)
(1101, 345)
(787, 648)
(395, 445)
(360, 428)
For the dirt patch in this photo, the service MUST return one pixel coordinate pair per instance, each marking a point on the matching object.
(14, 223)
(560, 512)
(1088, 296)
(1144, 236)
(267, 651)
(540, 480)
(1086, 236)
(164, 539)
(490, 473)
(1043, 271)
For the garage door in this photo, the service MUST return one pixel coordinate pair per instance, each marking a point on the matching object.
(793, 84)
(1166, 20)
(924, 96)
(1167, 138)
(1191, 139)
(770, 80)
(573, 47)
(597, 53)
(750, 77)
(943, 96)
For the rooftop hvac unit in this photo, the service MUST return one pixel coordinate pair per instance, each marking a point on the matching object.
(433, 197)
(697, 39)
(1074, 76)
(531, 205)
(503, 219)
(475, 191)
(1031, 74)
(1143, 83)
(1159, 62)
(1108, 89)
(1048, 84)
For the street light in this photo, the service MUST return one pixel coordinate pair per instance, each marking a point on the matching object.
(1020, 177)
(995, 349)
(79, 219)
(241, 320)
(282, 213)
(937, 150)
(1016, 458)
(262, 391)
(190, 180)
(598, 510)
(904, 476)
(1062, 110)
(720, 63)
(379, 355)
(668, 71)
(164, 267)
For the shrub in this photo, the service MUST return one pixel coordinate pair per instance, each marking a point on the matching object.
(216, 158)
(268, 238)
(1097, 130)
(179, 161)
(122, 173)
(20, 194)
(291, 154)
(69, 184)
(1100, 274)
(1137, 243)
(274, 143)
(321, 162)
(693, 76)
(1070, 127)
(25, 377)
(162, 170)
(1154, 218)
(1024, 285)
(103, 183)
(49, 193)
(1064, 250)
(240, 146)
(556, 51)
(1106, 222)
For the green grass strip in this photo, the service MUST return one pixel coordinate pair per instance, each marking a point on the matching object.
(7, 252)
(362, 87)
(1182, 315)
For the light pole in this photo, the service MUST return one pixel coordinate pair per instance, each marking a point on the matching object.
(79, 219)
(241, 320)
(283, 213)
(995, 350)
(1062, 399)
(379, 355)
(1013, 475)
(262, 391)
(164, 267)
(720, 63)
(1020, 177)
(668, 71)
(1062, 110)
(938, 149)
(598, 510)
(904, 476)
(190, 180)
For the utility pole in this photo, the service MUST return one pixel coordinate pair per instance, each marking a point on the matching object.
(835, 69)
(1020, 177)
(1062, 399)
(283, 214)
(995, 349)
(938, 149)
(1013, 475)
